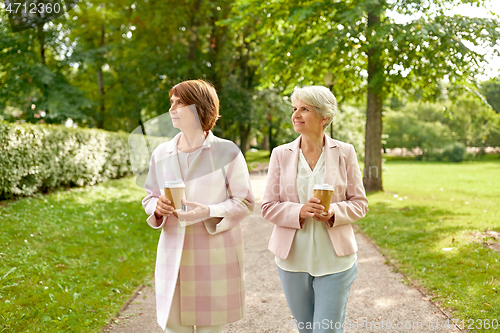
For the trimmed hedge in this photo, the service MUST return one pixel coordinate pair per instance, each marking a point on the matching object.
(36, 158)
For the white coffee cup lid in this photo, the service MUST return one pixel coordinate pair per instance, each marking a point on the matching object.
(324, 187)
(174, 184)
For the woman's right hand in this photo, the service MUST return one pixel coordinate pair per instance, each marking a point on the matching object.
(163, 207)
(310, 207)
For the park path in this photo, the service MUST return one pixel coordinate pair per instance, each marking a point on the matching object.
(380, 301)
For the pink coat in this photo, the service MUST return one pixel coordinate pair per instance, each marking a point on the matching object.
(281, 206)
(206, 256)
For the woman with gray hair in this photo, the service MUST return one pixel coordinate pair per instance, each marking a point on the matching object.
(313, 239)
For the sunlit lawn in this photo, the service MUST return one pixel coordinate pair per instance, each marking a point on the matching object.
(69, 260)
(255, 158)
(428, 207)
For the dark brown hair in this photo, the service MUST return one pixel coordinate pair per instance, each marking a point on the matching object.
(203, 95)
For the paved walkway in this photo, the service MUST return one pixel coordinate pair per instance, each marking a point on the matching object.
(379, 300)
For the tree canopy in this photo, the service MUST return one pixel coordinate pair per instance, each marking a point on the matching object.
(367, 51)
(110, 64)
(491, 90)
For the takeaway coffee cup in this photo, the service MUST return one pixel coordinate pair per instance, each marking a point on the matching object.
(174, 191)
(324, 193)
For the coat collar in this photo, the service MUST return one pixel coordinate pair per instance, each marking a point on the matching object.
(173, 159)
(329, 142)
(291, 161)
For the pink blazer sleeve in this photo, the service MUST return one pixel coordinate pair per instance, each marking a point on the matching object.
(275, 206)
(355, 206)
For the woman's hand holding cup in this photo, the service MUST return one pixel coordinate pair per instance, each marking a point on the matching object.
(163, 207)
(311, 208)
(199, 211)
(325, 218)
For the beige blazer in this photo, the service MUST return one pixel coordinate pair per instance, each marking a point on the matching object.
(281, 205)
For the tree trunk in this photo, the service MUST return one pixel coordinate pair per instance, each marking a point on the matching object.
(264, 145)
(372, 178)
(217, 40)
(41, 40)
(272, 145)
(244, 135)
(193, 39)
(143, 129)
(102, 104)
(100, 81)
(330, 86)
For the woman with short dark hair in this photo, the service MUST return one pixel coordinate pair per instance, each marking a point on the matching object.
(199, 267)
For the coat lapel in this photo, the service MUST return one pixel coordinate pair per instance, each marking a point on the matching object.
(172, 159)
(198, 165)
(289, 169)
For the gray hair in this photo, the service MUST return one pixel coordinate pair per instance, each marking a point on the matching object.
(321, 98)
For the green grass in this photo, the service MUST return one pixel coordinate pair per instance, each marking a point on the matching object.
(69, 260)
(431, 206)
(255, 158)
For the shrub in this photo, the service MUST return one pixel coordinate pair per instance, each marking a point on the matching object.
(35, 158)
(454, 152)
(433, 155)
(405, 130)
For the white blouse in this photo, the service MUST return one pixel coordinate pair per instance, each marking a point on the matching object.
(185, 160)
(312, 250)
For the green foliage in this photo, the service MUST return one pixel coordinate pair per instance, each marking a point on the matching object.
(429, 207)
(406, 130)
(237, 108)
(112, 40)
(113, 62)
(431, 126)
(349, 126)
(302, 41)
(366, 50)
(491, 90)
(35, 158)
(282, 26)
(274, 117)
(37, 82)
(475, 124)
(454, 152)
(140, 55)
(71, 259)
(248, 113)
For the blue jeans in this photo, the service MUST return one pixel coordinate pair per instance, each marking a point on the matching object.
(318, 303)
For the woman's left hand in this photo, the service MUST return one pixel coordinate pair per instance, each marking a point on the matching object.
(325, 218)
(199, 211)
